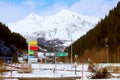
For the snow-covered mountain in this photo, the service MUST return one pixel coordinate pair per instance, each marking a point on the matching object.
(63, 25)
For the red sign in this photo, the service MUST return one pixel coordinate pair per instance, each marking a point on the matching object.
(33, 48)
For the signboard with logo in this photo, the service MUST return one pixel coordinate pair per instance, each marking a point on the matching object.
(32, 49)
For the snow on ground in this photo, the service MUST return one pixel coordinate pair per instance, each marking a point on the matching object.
(59, 70)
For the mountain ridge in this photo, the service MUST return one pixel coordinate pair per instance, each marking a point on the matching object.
(62, 22)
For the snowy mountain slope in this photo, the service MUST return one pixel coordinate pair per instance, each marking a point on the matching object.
(63, 25)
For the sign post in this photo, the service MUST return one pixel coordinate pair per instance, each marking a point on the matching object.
(32, 49)
(75, 65)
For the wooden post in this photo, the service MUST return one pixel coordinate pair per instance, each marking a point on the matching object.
(11, 71)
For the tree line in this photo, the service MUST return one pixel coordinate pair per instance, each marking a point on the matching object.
(11, 40)
(105, 33)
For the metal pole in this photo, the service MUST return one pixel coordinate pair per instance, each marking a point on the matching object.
(75, 70)
(71, 50)
(28, 50)
(107, 49)
(55, 62)
(107, 54)
(118, 55)
(82, 70)
(55, 55)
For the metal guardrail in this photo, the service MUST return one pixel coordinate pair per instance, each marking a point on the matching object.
(50, 78)
(44, 78)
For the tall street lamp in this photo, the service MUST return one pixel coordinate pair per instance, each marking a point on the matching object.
(71, 50)
(107, 53)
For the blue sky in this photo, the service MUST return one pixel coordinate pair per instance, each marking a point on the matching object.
(15, 10)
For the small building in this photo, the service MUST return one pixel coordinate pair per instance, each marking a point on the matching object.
(46, 57)
(50, 57)
(6, 59)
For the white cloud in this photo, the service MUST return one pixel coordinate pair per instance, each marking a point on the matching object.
(11, 12)
(14, 12)
(97, 8)
(53, 9)
(32, 4)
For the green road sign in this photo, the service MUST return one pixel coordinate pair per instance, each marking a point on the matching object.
(31, 52)
(62, 54)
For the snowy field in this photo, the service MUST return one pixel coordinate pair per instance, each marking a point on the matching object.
(59, 70)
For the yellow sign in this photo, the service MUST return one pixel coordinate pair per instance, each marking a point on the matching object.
(33, 42)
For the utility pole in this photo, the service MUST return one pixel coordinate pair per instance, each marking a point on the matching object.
(71, 50)
(107, 57)
(107, 53)
(55, 61)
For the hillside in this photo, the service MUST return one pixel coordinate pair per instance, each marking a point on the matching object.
(102, 43)
(10, 42)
